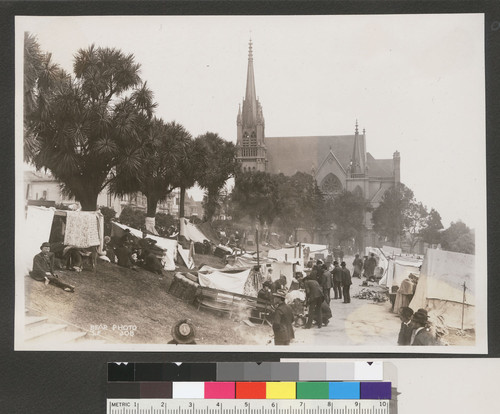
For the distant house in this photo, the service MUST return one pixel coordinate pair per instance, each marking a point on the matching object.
(43, 189)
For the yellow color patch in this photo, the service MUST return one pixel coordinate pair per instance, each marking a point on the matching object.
(280, 390)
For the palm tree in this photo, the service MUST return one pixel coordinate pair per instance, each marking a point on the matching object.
(221, 165)
(191, 166)
(87, 126)
(156, 173)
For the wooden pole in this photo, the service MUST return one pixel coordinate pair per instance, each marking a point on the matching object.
(257, 242)
(463, 306)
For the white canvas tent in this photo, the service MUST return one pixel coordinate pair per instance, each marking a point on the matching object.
(83, 229)
(168, 245)
(228, 280)
(190, 231)
(440, 288)
(398, 270)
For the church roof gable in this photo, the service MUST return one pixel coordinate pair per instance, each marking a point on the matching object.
(290, 154)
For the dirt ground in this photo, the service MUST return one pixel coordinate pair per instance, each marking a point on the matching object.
(124, 306)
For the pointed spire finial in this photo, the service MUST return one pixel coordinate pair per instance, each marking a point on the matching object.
(364, 131)
(250, 50)
(356, 127)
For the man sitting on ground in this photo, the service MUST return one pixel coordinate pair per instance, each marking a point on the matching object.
(43, 269)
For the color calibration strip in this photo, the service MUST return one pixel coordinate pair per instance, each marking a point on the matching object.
(248, 390)
(246, 371)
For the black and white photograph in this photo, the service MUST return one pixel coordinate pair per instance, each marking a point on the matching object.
(251, 183)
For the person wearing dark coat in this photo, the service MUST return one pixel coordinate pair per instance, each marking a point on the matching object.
(346, 283)
(421, 335)
(282, 320)
(123, 256)
(357, 266)
(314, 298)
(326, 313)
(326, 282)
(370, 265)
(43, 269)
(337, 280)
(279, 284)
(404, 337)
(265, 294)
(151, 262)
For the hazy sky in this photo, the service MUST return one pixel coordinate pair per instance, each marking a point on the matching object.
(415, 82)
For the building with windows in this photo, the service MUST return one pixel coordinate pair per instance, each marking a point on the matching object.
(338, 162)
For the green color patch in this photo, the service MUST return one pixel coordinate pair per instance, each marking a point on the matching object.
(312, 390)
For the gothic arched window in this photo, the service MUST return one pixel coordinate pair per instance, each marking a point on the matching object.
(331, 185)
(253, 140)
(246, 139)
(358, 191)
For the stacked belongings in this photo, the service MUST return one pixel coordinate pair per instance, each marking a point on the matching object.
(184, 286)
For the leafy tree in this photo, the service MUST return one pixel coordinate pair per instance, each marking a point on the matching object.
(108, 214)
(132, 217)
(458, 238)
(431, 233)
(391, 217)
(415, 223)
(157, 173)
(191, 165)
(301, 203)
(255, 194)
(163, 222)
(82, 127)
(220, 166)
(347, 211)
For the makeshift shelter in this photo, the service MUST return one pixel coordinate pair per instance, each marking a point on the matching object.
(81, 229)
(191, 232)
(168, 246)
(446, 287)
(398, 269)
(391, 251)
(240, 281)
(382, 260)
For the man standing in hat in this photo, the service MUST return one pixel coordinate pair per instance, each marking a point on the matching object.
(421, 334)
(357, 266)
(404, 337)
(282, 320)
(43, 269)
(326, 282)
(337, 280)
(346, 283)
(314, 298)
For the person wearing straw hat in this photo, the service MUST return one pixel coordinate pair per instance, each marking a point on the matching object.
(421, 334)
(282, 320)
(43, 269)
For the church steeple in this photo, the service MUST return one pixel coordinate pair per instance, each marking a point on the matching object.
(357, 160)
(250, 102)
(250, 125)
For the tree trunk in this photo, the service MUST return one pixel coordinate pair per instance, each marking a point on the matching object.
(88, 201)
(152, 203)
(181, 204)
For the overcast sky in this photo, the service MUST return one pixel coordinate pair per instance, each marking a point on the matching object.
(415, 82)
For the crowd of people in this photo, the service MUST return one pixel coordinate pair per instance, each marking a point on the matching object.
(317, 285)
(126, 251)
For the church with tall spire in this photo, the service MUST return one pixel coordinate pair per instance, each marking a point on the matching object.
(337, 162)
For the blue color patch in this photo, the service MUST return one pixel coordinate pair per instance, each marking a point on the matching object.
(344, 390)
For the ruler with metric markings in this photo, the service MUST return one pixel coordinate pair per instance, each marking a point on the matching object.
(281, 406)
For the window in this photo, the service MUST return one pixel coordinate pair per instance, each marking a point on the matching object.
(331, 185)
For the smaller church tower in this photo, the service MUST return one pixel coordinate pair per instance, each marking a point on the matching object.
(251, 149)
